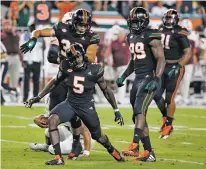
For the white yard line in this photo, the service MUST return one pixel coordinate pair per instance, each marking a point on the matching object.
(106, 105)
(18, 117)
(99, 151)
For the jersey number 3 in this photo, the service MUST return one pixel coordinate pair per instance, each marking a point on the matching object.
(78, 86)
(137, 50)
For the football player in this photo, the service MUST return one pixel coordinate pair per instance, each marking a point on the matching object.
(177, 52)
(75, 27)
(82, 77)
(66, 137)
(148, 62)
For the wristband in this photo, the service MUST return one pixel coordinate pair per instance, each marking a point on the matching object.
(85, 152)
(116, 110)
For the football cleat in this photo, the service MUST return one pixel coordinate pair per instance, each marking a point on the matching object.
(76, 150)
(56, 161)
(117, 155)
(146, 157)
(38, 147)
(163, 123)
(133, 150)
(167, 130)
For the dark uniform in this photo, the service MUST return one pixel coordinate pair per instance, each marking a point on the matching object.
(80, 100)
(66, 35)
(174, 42)
(144, 67)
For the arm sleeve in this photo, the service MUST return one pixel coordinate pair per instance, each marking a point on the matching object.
(181, 34)
(56, 27)
(95, 38)
(53, 54)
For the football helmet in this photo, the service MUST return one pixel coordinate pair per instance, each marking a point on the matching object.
(170, 18)
(76, 56)
(81, 21)
(138, 20)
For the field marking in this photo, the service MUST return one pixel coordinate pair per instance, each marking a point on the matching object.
(187, 143)
(18, 117)
(100, 151)
(106, 106)
(13, 127)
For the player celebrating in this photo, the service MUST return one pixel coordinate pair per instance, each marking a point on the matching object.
(147, 60)
(177, 53)
(73, 28)
(82, 77)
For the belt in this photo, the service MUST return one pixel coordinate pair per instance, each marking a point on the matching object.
(172, 61)
(12, 53)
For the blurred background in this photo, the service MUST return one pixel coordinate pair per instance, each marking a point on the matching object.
(23, 76)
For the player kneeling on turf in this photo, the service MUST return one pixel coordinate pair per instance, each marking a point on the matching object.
(66, 137)
(82, 77)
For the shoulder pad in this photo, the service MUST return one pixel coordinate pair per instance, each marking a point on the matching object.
(154, 34)
(57, 25)
(94, 38)
(97, 71)
(64, 66)
(181, 31)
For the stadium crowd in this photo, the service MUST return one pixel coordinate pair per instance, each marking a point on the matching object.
(16, 14)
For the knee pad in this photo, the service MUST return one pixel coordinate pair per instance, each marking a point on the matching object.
(96, 135)
(76, 122)
(137, 108)
(46, 132)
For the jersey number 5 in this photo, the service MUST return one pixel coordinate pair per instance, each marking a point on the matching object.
(165, 41)
(78, 87)
(137, 50)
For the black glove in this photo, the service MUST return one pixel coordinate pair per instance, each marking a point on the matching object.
(153, 85)
(120, 81)
(118, 118)
(28, 46)
(174, 71)
(28, 104)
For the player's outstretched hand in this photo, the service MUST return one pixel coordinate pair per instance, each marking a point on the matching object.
(28, 46)
(30, 102)
(174, 71)
(153, 85)
(120, 81)
(119, 118)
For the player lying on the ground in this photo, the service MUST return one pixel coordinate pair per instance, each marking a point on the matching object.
(177, 53)
(66, 137)
(147, 57)
(75, 27)
(82, 77)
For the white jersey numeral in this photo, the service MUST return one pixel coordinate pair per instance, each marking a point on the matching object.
(78, 87)
(165, 41)
(66, 45)
(137, 50)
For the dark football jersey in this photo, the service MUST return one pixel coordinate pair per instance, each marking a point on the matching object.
(81, 84)
(66, 36)
(144, 61)
(174, 41)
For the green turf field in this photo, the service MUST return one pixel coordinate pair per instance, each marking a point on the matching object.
(185, 149)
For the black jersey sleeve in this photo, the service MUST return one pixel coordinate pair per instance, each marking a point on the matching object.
(53, 54)
(57, 27)
(94, 38)
(97, 71)
(154, 34)
(181, 35)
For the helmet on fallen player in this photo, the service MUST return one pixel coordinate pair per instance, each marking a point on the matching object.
(81, 21)
(170, 18)
(138, 20)
(76, 56)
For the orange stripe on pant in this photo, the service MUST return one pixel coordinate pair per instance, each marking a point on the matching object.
(182, 70)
